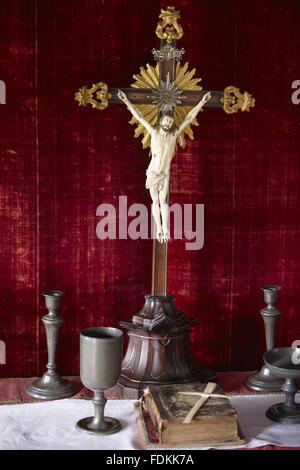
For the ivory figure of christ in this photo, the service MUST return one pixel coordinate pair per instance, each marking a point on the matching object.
(163, 142)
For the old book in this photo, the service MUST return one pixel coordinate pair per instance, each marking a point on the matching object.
(215, 423)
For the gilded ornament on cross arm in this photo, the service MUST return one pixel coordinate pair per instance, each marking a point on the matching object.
(85, 96)
(234, 100)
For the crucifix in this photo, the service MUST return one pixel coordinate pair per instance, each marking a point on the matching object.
(164, 102)
(163, 142)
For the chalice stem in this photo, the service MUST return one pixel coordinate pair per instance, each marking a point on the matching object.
(99, 404)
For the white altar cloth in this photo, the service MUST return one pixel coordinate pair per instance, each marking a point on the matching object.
(51, 425)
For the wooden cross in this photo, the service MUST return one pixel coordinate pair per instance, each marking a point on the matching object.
(208, 393)
(168, 58)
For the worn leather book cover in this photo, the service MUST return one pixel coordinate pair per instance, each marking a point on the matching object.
(215, 423)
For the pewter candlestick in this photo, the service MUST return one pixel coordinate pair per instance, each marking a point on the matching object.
(264, 380)
(51, 386)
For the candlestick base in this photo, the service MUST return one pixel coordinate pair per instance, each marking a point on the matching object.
(51, 387)
(264, 381)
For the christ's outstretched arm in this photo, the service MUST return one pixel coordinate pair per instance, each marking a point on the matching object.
(191, 116)
(122, 96)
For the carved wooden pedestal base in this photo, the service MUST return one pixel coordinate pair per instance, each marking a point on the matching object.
(159, 350)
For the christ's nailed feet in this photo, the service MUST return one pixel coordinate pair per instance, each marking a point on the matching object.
(163, 236)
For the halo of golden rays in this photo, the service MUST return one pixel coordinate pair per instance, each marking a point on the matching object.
(149, 78)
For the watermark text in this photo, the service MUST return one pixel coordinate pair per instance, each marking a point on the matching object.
(296, 354)
(2, 352)
(2, 92)
(135, 222)
(296, 93)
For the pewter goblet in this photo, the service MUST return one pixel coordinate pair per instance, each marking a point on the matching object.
(100, 369)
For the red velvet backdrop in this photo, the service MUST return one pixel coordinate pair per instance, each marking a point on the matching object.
(60, 161)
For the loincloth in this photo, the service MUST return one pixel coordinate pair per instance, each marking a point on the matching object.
(155, 180)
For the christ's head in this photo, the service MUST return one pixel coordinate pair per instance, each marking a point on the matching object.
(166, 122)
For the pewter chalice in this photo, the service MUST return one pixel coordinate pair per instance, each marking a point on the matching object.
(100, 369)
(284, 363)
